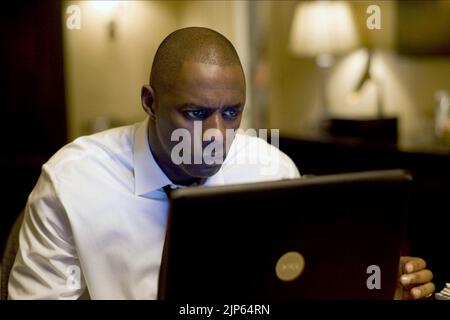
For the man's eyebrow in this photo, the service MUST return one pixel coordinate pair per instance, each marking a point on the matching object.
(192, 105)
(197, 106)
(236, 106)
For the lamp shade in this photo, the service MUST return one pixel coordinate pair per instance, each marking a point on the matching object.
(322, 27)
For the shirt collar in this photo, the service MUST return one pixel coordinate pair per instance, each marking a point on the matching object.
(148, 176)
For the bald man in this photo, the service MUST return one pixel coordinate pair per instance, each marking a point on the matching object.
(95, 221)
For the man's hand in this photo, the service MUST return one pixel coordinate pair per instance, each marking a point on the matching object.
(414, 279)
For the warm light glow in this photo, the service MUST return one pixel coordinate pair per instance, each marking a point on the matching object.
(322, 27)
(109, 9)
(104, 7)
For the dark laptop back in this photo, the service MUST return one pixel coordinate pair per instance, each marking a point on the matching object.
(225, 242)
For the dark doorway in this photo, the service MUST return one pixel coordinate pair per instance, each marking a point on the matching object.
(32, 108)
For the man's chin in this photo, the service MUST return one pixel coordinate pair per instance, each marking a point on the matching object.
(202, 170)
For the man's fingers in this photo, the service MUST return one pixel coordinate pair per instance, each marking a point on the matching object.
(416, 279)
(412, 264)
(423, 291)
(422, 276)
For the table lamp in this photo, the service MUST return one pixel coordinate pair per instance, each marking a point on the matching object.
(323, 29)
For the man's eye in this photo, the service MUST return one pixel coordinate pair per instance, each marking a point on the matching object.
(231, 113)
(197, 114)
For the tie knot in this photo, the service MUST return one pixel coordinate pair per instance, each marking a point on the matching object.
(169, 188)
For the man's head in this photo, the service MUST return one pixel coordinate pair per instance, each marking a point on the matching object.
(196, 76)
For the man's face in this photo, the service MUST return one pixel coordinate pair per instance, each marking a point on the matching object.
(211, 94)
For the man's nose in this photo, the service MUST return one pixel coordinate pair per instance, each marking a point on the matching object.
(215, 122)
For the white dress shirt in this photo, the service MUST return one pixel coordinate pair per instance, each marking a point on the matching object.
(96, 218)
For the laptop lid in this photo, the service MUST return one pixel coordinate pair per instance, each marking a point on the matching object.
(324, 237)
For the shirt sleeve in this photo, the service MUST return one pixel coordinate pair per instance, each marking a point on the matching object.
(46, 264)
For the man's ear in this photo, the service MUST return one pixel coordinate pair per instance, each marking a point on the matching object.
(148, 101)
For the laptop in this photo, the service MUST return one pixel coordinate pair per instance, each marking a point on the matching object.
(324, 237)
